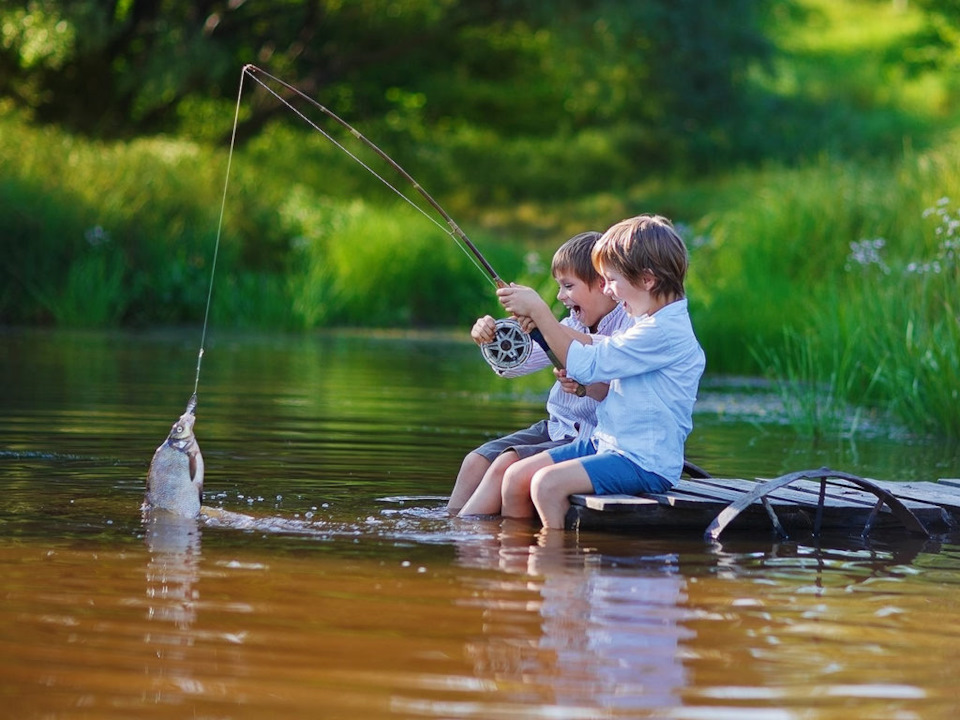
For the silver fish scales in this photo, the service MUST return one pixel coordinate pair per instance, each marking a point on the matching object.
(175, 478)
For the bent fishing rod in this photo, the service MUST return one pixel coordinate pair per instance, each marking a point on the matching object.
(511, 345)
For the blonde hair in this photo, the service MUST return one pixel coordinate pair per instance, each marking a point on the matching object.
(645, 243)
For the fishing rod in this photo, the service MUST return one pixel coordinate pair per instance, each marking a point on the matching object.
(511, 345)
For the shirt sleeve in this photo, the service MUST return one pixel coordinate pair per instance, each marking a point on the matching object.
(642, 347)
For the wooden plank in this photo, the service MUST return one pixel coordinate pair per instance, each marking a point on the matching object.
(658, 518)
(841, 495)
(711, 491)
(689, 501)
(848, 494)
(611, 503)
(808, 495)
(779, 497)
(695, 502)
(726, 490)
(945, 497)
(630, 503)
(696, 518)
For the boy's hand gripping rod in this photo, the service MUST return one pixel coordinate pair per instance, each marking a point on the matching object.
(511, 345)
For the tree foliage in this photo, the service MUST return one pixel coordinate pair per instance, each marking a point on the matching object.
(672, 71)
(941, 44)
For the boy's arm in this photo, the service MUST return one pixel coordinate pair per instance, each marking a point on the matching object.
(525, 302)
(598, 390)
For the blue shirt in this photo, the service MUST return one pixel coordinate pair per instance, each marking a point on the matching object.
(654, 369)
(570, 415)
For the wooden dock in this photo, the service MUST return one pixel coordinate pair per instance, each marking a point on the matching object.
(809, 501)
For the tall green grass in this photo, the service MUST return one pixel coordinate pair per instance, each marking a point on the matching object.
(821, 381)
(917, 345)
(103, 234)
(124, 234)
(384, 266)
(868, 319)
(98, 235)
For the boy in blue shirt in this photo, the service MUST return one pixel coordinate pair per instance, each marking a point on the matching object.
(653, 367)
(477, 489)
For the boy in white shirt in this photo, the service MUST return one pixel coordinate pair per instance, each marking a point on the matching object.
(477, 489)
(653, 369)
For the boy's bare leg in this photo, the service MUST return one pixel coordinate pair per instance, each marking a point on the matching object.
(551, 488)
(516, 485)
(486, 499)
(468, 479)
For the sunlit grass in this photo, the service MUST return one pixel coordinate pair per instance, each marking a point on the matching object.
(853, 26)
(98, 234)
(296, 251)
(887, 339)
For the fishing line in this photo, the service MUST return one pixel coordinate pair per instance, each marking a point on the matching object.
(511, 345)
(454, 231)
(216, 247)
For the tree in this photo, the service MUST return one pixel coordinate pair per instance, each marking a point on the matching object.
(673, 69)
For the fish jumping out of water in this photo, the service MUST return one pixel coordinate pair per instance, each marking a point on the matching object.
(175, 478)
(173, 502)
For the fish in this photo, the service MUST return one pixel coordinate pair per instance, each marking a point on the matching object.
(173, 509)
(175, 477)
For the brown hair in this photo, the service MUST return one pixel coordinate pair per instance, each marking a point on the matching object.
(645, 243)
(575, 256)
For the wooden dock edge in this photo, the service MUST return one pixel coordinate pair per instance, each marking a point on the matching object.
(697, 503)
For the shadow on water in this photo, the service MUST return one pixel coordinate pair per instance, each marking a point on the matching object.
(325, 578)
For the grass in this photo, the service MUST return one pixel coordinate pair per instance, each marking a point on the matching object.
(126, 235)
(787, 275)
(887, 341)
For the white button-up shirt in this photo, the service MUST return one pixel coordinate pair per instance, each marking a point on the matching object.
(654, 369)
(570, 415)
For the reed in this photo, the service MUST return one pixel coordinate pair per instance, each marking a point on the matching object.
(93, 295)
(762, 264)
(917, 345)
(387, 267)
(886, 341)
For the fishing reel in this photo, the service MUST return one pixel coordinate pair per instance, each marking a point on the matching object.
(511, 345)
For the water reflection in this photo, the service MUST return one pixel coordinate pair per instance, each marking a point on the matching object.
(348, 592)
(632, 629)
(604, 638)
(172, 571)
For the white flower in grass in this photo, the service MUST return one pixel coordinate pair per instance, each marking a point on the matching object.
(96, 236)
(867, 253)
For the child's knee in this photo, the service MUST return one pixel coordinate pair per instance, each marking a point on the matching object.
(514, 485)
(537, 485)
(504, 461)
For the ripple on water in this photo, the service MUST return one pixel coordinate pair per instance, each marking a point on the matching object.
(351, 591)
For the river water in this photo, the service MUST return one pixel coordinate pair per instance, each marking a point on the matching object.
(351, 594)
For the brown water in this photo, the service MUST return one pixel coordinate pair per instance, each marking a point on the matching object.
(350, 594)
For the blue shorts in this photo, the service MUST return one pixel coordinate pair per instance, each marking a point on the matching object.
(610, 473)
